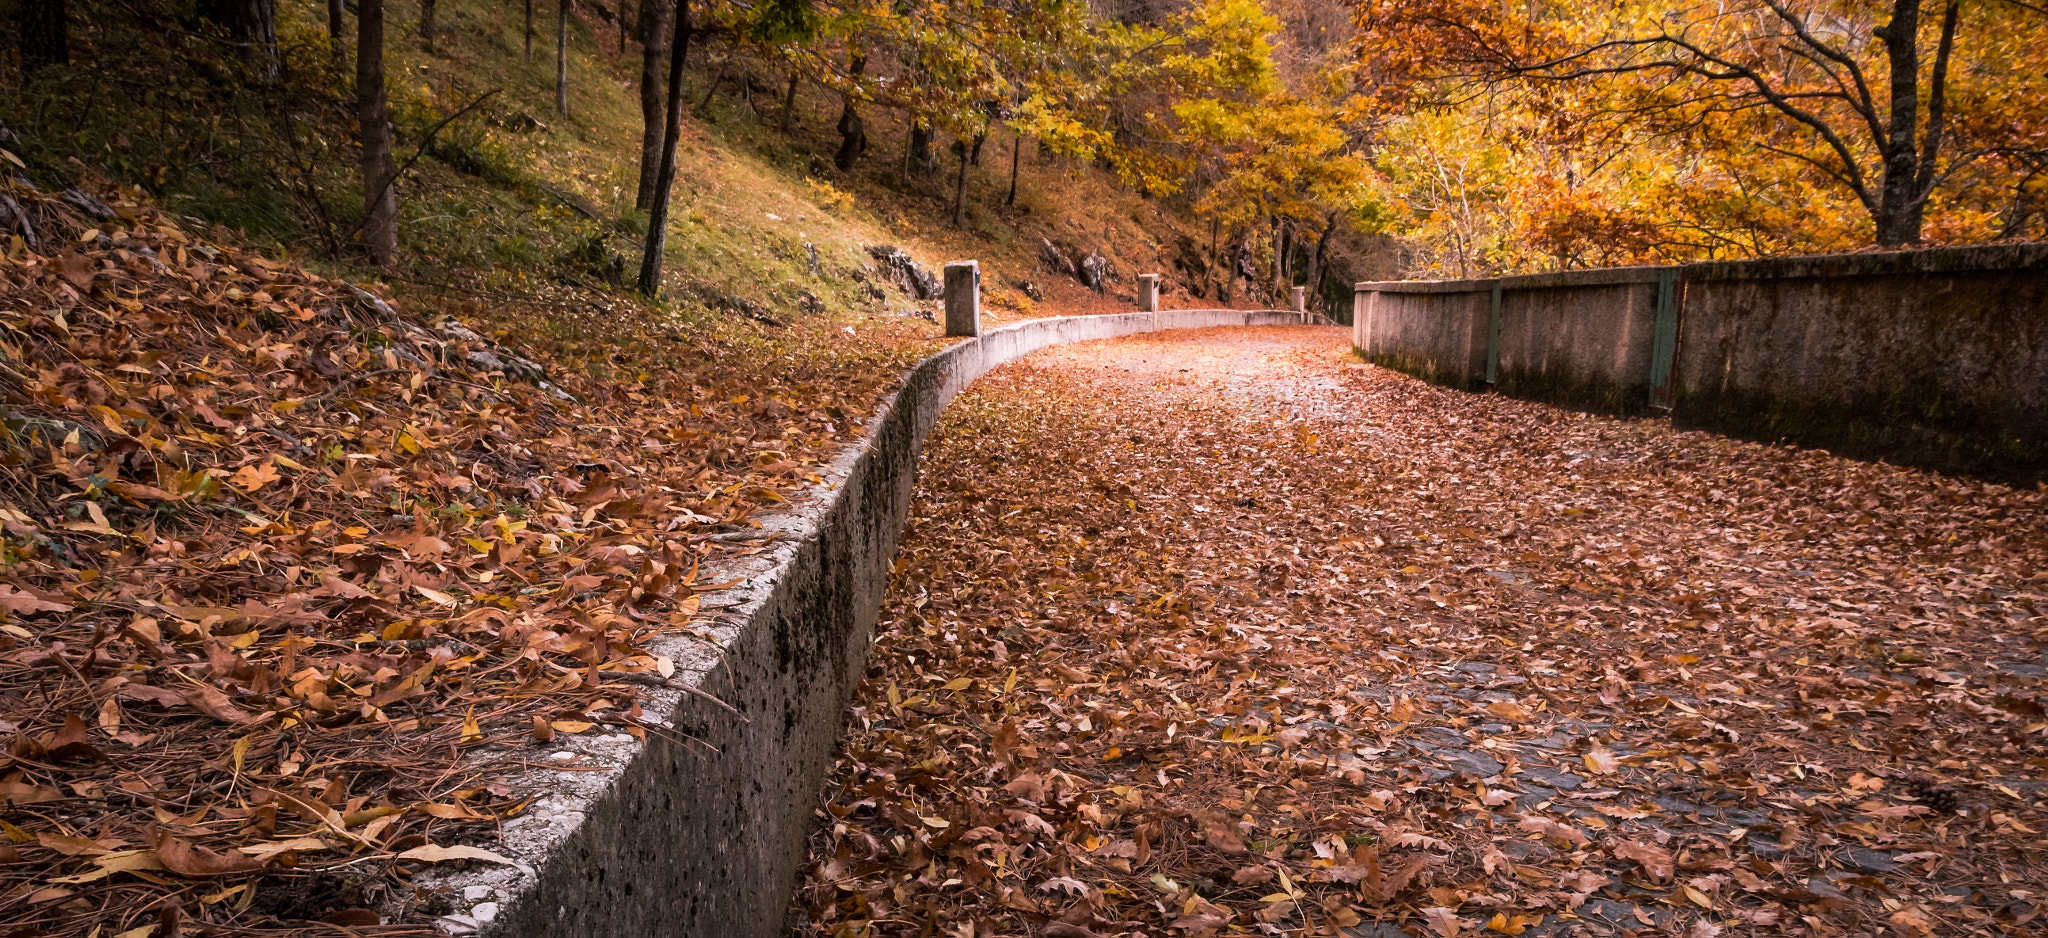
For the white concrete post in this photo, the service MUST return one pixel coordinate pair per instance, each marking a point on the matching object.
(963, 298)
(1361, 321)
(1301, 301)
(1148, 293)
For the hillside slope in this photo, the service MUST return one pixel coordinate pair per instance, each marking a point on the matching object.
(283, 538)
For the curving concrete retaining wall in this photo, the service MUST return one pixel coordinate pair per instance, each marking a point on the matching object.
(699, 831)
(1432, 329)
(1937, 358)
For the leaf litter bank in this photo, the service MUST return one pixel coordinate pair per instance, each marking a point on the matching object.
(1228, 634)
(286, 571)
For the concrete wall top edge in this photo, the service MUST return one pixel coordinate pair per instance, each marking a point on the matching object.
(1988, 257)
(2031, 256)
(1425, 286)
(1599, 276)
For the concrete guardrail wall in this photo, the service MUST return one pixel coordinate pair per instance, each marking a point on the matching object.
(700, 831)
(1936, 358)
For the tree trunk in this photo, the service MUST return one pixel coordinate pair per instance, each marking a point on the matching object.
(1016, 144)
(562, 58)
(923, 161)
(380, 182)
(960, 186)
(711, 92)
(974, 158)
(853, 132)
(1230, 268)
(1910, 169)
(622, 28)
(1318, 260)
(789, 101)
(1242, 265)
(45, 33)
(334, 21)
(1899, 207)
(1208, 275)
(251, 25)
(657, 215)
(529, 30)
(1279, 254)
(653, 49)
(1285, 244)
(427, 24)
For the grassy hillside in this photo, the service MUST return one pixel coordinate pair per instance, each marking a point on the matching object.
(275, 533)
(514, 205)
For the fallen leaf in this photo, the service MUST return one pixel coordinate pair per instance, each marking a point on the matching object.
(1252, 876)
(23, 603)
(1655, 860)
(1445, 922)
(212, 702)
(1509, 710)
(189, 859)
(1555, 830)
(1221, 835)
(433, 853)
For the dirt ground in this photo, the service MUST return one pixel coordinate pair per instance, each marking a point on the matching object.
(1227, 633)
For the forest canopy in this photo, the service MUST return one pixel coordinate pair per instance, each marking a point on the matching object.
(1491, 137)
(1563, 135)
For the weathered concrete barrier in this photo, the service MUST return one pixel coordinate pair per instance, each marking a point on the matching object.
(1936, 358)
(1432, 329)
(963, 298)
(699, 831)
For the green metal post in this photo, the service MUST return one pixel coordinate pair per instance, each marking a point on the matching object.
(1493, 338)
(1664, 346)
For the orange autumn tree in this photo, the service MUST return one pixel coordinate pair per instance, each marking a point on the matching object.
(1747, 126)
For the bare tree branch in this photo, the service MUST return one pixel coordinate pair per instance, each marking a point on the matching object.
(1937, 105)
(1709, 64)
(1867, 105)
(2043, 10)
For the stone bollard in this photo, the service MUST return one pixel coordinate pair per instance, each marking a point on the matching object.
(1301, 301)
(963, 298)
(1148, 293)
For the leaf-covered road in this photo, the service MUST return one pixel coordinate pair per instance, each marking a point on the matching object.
(1224, 633)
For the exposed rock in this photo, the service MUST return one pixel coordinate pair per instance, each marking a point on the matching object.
(870, 291)
(374, 302)
(1189, 258)
(1054, 259)
(1245, 267)
(1029, 289)
(486, 355)
(86, 203)
(1096, 271)
(748, 309)
(911, 276)
(522, 123)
